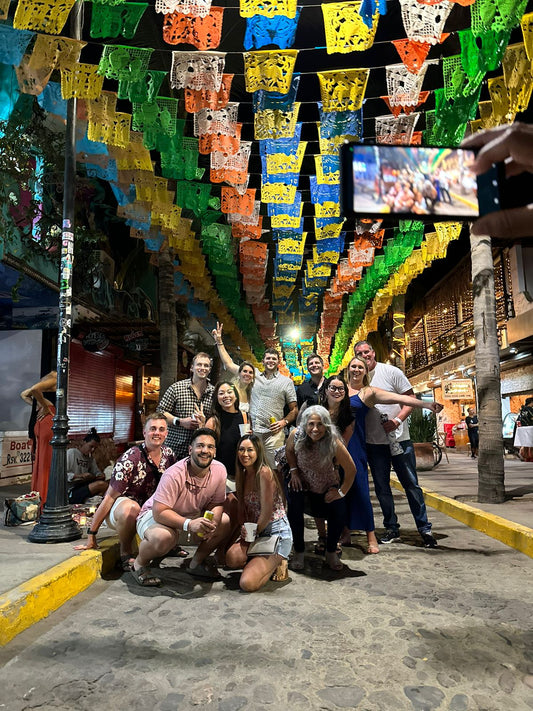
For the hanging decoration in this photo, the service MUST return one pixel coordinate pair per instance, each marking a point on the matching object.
(274, 123)
(424, 23)
(202, 32)
(346, 31)
(197, 70)
(343, 90)
(403, 86)
(114, 20)
(196, 8)
(396, 130)
(270, 70)
(267, 8)
(13, 44)
(47, 16)
(196, 99)
(81, 81)
(278, 30)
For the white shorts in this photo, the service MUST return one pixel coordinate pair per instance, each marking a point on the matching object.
(111, 516)
(147, 520)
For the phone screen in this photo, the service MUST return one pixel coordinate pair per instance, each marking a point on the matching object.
(423, 182)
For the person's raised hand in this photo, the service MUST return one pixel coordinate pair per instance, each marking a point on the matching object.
(513, 146)
(217, 333)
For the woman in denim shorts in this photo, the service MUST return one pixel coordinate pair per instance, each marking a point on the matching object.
(261, 500)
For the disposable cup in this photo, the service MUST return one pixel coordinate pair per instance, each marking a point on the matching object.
(244, 429)
(251, 530)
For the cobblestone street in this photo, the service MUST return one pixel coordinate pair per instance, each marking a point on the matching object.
(409, 628)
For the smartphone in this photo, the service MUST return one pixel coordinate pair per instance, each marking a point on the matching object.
(415, 182)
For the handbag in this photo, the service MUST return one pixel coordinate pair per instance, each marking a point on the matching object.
(264, 545)
(22, 510)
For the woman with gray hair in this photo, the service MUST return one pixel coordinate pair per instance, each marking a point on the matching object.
(315, 451)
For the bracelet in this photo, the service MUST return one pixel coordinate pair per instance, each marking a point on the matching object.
(341, 493)
(218, 343)
(293, 469)
(91, 533)
(286, 421)
(176, 421)
(186, 524)
(397, 419)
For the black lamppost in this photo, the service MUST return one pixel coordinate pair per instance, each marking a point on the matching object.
(55, 524)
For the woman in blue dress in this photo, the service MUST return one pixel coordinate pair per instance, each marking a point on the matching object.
(358, 398)
(348, 414)
(362, 397)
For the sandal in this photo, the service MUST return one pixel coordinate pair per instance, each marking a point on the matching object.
(126, 562)
(177, 552)
(204, 571)
(297, 561)
(144, 577)
(333, 561)
(320, 546)
(372, 548)
(281, 573)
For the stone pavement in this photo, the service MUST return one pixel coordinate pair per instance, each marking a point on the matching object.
(410, 629)
(38, 578)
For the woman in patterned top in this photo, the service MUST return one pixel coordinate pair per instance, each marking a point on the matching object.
(261, 501)
(314, 452)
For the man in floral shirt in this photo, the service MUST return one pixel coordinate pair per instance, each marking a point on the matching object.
(134, 480)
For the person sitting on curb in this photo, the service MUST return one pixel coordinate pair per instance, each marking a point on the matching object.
(135, 478)
(85, 480)
(175, 512)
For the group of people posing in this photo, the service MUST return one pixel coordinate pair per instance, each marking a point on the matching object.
(217, 457)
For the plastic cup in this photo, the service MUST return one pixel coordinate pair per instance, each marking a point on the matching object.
(244, 429)
(251, 530)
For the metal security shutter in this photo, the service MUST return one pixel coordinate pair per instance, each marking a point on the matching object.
(125, 402)
(91, 392)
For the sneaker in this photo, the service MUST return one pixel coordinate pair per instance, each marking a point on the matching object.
(429, 540)
(390, 536)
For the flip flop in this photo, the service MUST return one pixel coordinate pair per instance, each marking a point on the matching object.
(204, 572)
(126, 562)
(144, 577)
(177, 552)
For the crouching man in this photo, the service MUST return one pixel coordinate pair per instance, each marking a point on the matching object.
(174, 514)
(135, 477)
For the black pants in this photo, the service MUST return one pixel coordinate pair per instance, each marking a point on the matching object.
(300, 502)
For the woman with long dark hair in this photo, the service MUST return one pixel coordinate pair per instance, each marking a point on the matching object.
(226, 420)
(40, 431)
(362, 397)
(260, 500)
(351, 425)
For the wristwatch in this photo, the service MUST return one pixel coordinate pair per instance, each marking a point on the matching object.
(91, 533)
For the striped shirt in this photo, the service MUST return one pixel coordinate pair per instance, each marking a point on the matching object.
(180, 400)
(268, 399)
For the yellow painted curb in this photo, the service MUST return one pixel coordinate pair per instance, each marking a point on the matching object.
(35, 599)
(512, 534)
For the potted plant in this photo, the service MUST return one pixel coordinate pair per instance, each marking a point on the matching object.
(422, 428)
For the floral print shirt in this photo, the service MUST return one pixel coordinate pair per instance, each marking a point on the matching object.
(136, 476)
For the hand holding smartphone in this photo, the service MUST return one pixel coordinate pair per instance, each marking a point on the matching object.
(511, 147)
(414, 182)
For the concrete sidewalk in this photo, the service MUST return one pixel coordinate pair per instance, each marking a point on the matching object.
(39, 578)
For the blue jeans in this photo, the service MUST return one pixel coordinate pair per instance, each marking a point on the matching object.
(380, 460)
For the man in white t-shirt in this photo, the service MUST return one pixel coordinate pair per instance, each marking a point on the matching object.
(378, 450)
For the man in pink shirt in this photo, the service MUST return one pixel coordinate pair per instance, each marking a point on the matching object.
(174, 514)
